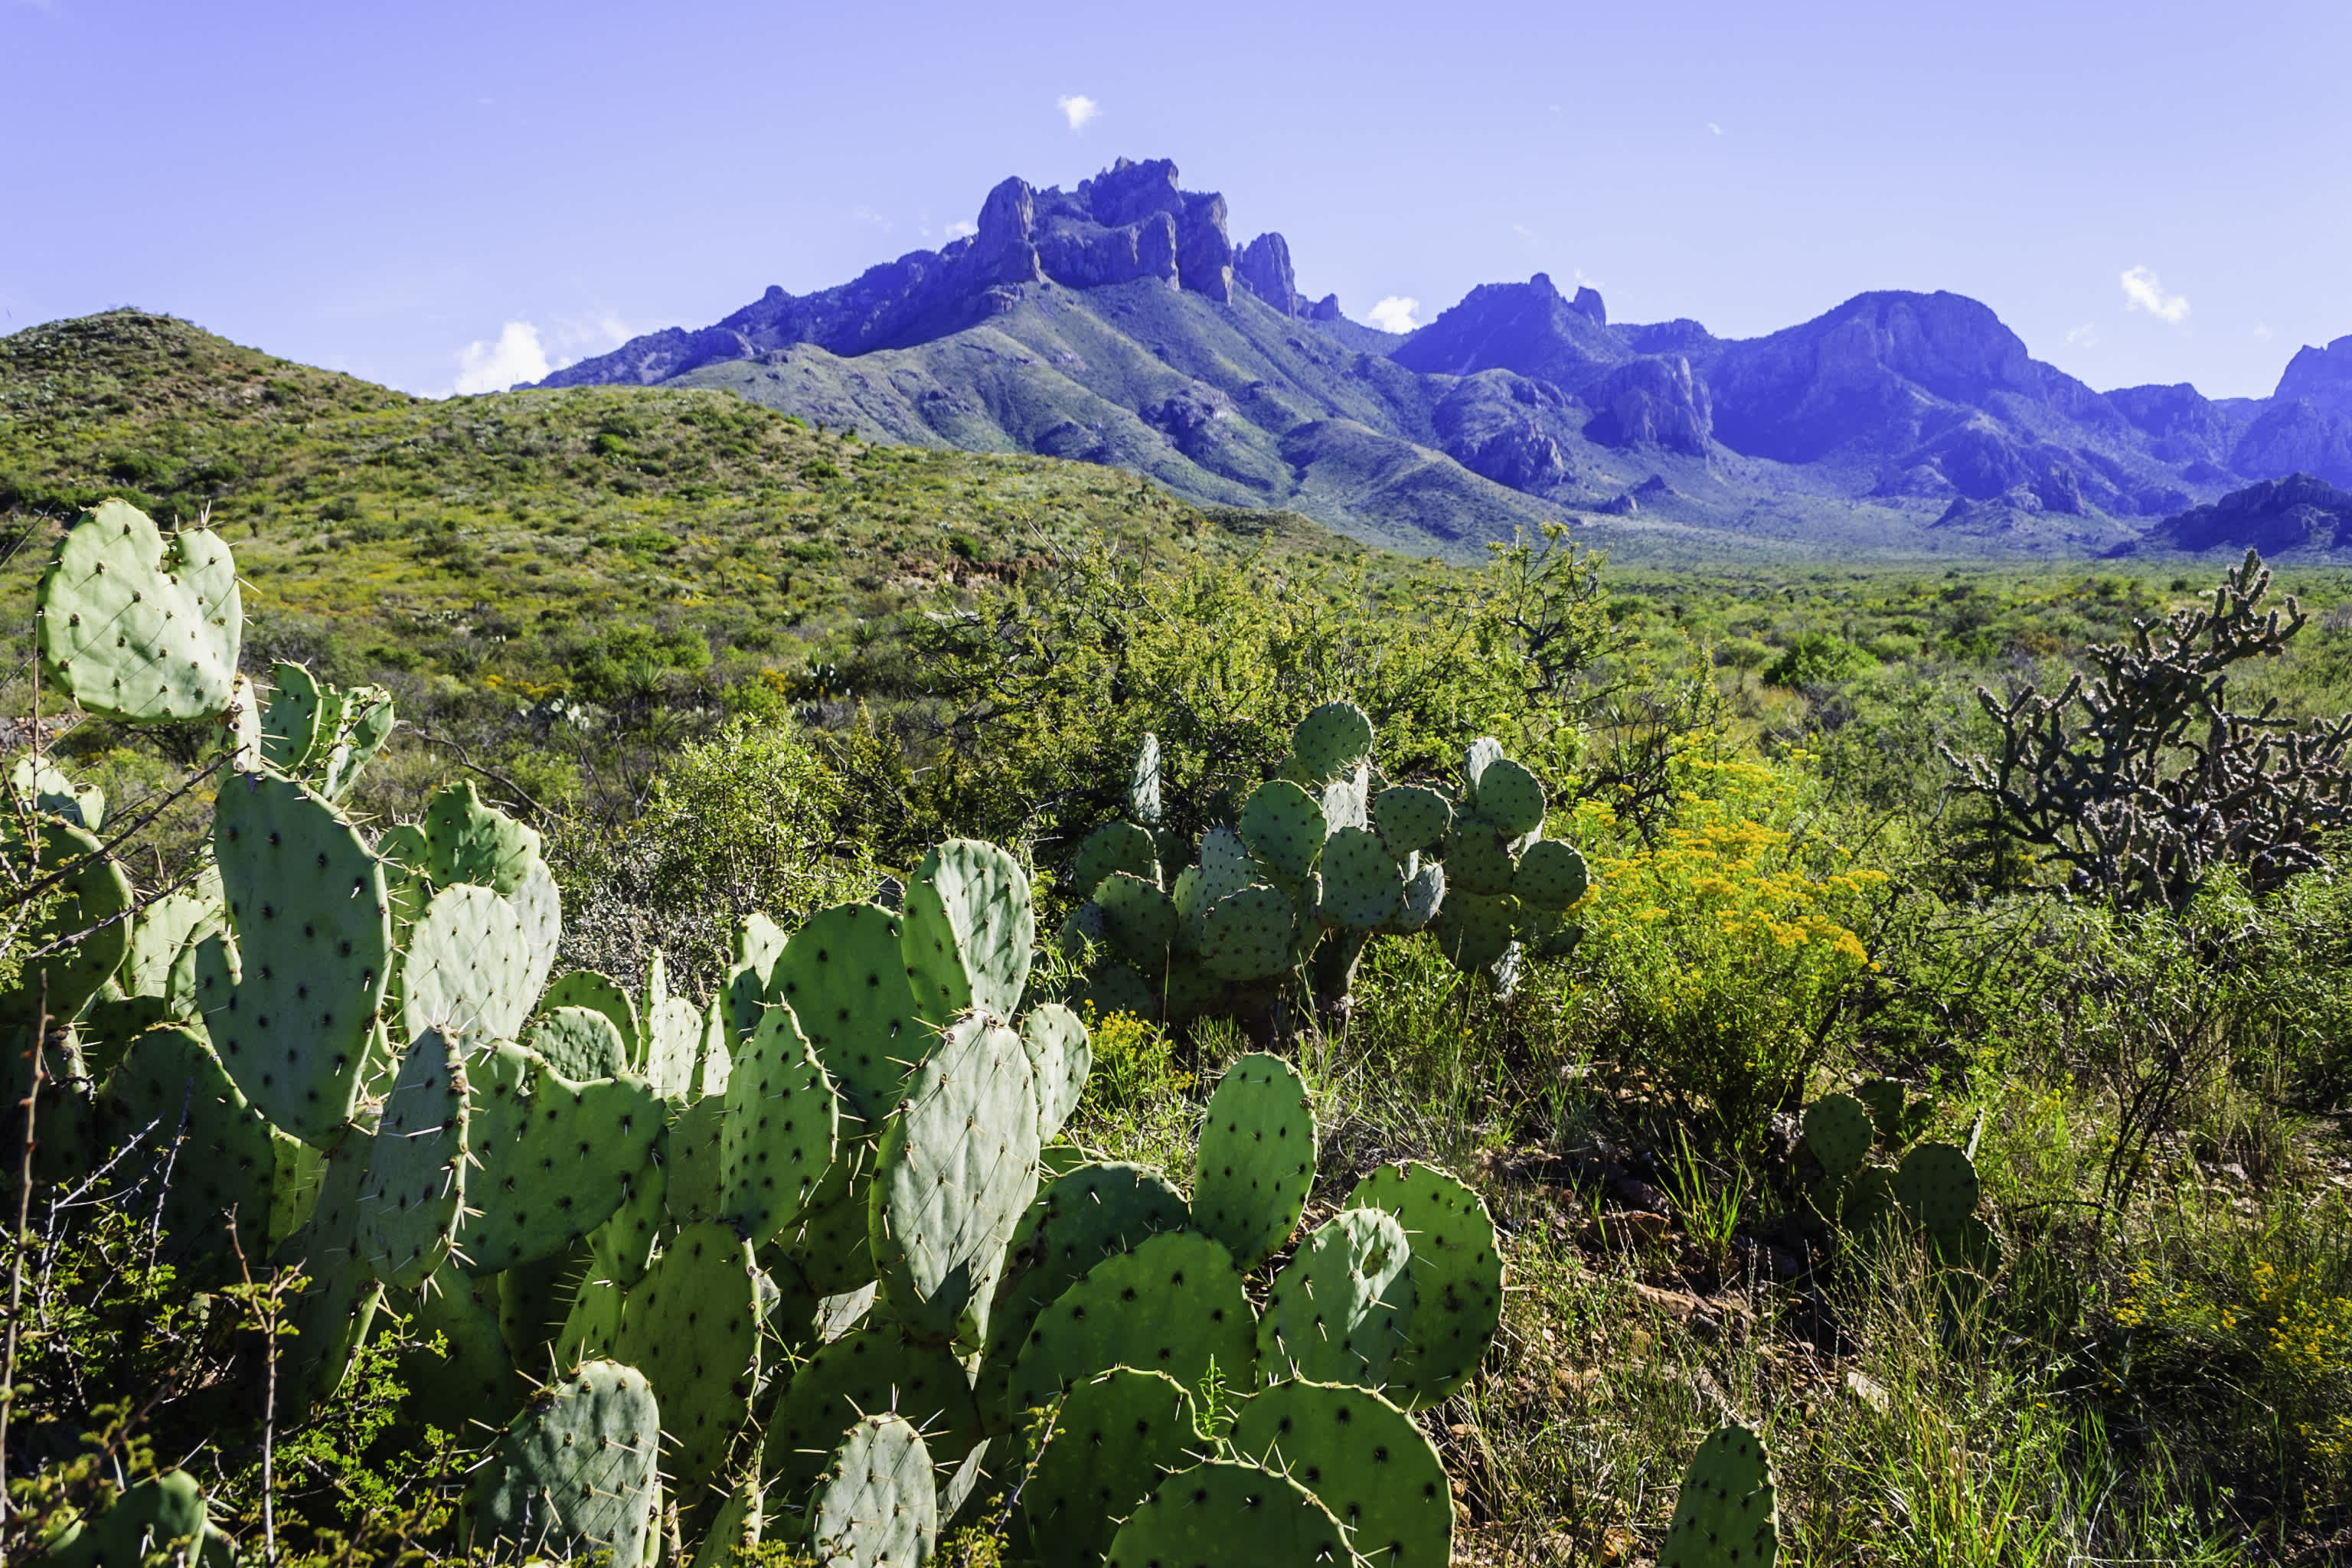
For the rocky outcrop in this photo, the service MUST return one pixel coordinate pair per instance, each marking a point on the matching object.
(2321, 377)
(1002, 251)
(1088, 256)
(1501, 425)
(2300, 511)
(2297, 437)
(1653, 402)
(2182, 424)
(1327, 308)
(1263, 267)
(1523, 327)
(1588, 304)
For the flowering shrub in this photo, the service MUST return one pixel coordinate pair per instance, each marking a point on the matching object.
(1723, 951)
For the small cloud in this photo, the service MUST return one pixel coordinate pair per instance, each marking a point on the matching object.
(2142, 291)
(1079, 109)
(2262, 332)
(1711, 125)
(1585, 282)
(2084, 336)
(1394, 314)
(517, 356)
(958, 230)
(1523, 231)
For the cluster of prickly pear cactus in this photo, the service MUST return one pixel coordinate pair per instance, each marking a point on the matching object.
(1314, 863)
(1726, 1515)
(1932, 1190)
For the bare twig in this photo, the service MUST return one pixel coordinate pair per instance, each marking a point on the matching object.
(17, 1239)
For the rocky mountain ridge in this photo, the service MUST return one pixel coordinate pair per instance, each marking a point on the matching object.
(1121, 322)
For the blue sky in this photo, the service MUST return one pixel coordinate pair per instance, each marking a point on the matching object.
(424, 192)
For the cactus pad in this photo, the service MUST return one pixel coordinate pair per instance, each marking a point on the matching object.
(578, 1042)
(574, 1474)
(472, 1378)
(694, 1182)
(1060, 1058)
(957, 1167)
(159, 1519)
(554, 1158)
(1474, 931)
(1936, 1186)
(161, 930)
(1331, 739)
(364, 725)
(872, 1371)
(1284, 827)
(291, 720)
(969, 930)
(1340, 1309)
(1113, 1438)
(1256, 1159)
(599, 993)
(1553, 876)
(1725, 1514)
(1457, 1277)
(673, 1045)
(469, 840)
(1237, 1516)
(834, 1248)
(777, 1137)
(1364, 1459)
(1115, 847)
(1507, 795)
(50, 793)
(415, 1181)
(1411, 817)
(1139, 918)
(137, 629)
(1362, 884)
(332, 1315)
(1838, 1131)
(876, 1505)
(843, 977)
(468, 971)
(1248, 935)
(1477, 860)
(93, 894)
(692, 1326)
(1170, 1304)
(223, 1159)
(1117, 987)
(1424, 895)
(308, 904)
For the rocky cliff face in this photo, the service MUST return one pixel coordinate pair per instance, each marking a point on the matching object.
(2298, 513)
(1524, 327)
(1651, 402)
(2321, 377)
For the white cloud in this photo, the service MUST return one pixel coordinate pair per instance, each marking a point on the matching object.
(1079, 109)
(958, 230)
(2143, 291)
(517, 357)
(1394, 314)
(2084, 336)
(1711, 125)
(2262, 332)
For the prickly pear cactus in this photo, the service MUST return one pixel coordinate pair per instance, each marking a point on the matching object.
(469, 840)
(967, 932)
(776, 1138)
(957, 1167)
(574, 1474)
(1250, 934)
(1411, 817)
(733, 1536)
(1725, 1513)
(1551, 876)
(291, 720)
(93, 897)
(1457, 1276)
(217, 1144)
(1339, 1310)
(1235, 1515)
(1507, 795)
(843, 976)
(1363, 885)
(1364, 1459)
(875, 1505)
(161, 1517)
(1936, 1187)
(556, 1158)
(1115, 847)
(1838, 1131)
(1256, 1159)
(1477, 857)
(332, 1315)
(1060, 1056)
(1284, 827)
(415, 1184)
(1169, 1305)
(47, 792)
(695, 1184)
(472, 1377)
(1112, 1440)
(1332, 741)
(138, 631)
(692, 1326)
(1474, 930)
(578, 1042)
(468, 972)
(870, 1371)
(599, 993)
(1138, 918)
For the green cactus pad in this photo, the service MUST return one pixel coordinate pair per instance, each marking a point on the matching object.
(332, 1315)
(578, 1042)
(1115, 847)
(1234, 1515)
(1838, 1131)
(365, 724)
(674, 1033)
(161, 930)
(94, 893)
(875, 1505)
(592, 1326)
(1474, 931)
(1082, 932)
(1117, 987)
(171, 1079)
(575, 1476)
(1332, 741)
(468, 971)
(1339, 1310)
(159, 1519)
(692, 1326)
(292, 718)
(733, 1535)
(781, 1124)
(877, 1370)
(1225, 862)
(1112, 1439)
(1256, 1159)
(535, 1301)
(1363, 886)
(469, 840)
(1283, 826)
(1346, 801)
(309, 903)
(1411, 817)
(957, 1167)
(1970, 1245)
(1424, 895)
(1139, 918)
(1936, 1186)
(1865, 1201)
(968, 932)
(1170, 1304)
(1457, 1277)
(554, 1159)
(1885, 1098)
(1551, 876)
(539, 905)
(1248, 935)
(295, 1186)
(416, 1182)
(1547, 935)
(843, 976)
(472, 1378)
(1725, 1514)
(1477, 859)
(622, 1247)
(832, 1247)
(1364, 1459)
(599, 993)
(1080, 1218)
(137, 629)
(695, 1180)
(1507, 795)
(1060, 1058)
(48, 793)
